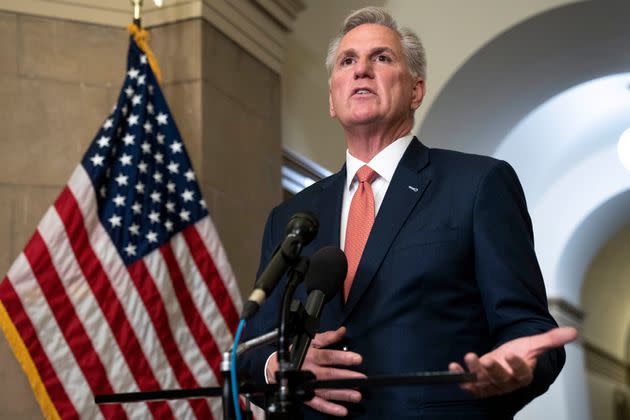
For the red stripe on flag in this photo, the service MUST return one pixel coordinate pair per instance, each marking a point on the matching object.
(69, 323)
(211, 276)
(23, 325)
(113, 311)
(198, 328)
(153, 302)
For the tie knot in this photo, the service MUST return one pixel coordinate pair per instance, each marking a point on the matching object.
(366, 174)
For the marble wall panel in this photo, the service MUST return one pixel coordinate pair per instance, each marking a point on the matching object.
(8, 43)
(71, 51)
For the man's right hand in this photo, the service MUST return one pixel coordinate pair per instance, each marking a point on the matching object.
(320, 360)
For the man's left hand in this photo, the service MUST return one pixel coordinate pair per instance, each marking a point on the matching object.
(511, 365)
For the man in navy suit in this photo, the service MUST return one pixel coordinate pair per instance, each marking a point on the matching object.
(448, 271)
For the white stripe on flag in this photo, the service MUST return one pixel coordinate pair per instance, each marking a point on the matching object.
(187, 345)
(210, 238)
(51, 338)
(204, 302)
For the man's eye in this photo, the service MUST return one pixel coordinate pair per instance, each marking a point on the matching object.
(383, 58)
(346, 61)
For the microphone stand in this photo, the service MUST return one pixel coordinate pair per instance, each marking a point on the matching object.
(226, 389)
(289, 380)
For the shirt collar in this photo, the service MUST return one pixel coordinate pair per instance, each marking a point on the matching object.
(384, 163)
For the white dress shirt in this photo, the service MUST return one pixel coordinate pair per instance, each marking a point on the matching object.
(385, 164)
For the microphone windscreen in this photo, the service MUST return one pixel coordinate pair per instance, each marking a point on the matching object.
(327, 271)
(304, 224)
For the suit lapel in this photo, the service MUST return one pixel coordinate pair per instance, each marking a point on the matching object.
(404, 192)
(328, 208)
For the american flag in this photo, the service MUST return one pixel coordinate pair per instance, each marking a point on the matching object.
(124, 286)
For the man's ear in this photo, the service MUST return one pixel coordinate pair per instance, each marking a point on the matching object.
(331, 107)
(417, 93)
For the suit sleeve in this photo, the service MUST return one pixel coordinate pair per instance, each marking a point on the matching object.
(252, 363)
(508, 275)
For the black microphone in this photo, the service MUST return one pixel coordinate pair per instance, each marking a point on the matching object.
(325, 277)
(300, 231)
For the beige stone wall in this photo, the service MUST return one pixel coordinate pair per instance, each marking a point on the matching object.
(58, 81)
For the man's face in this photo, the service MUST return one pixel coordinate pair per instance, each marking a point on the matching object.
(370, 82)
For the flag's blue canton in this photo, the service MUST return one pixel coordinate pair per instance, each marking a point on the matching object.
(146, 189)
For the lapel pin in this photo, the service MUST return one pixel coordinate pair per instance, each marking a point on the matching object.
(414, 189)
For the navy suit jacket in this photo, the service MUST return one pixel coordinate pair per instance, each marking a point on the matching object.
(449, 268)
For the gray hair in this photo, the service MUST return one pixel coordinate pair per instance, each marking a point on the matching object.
(411, 45)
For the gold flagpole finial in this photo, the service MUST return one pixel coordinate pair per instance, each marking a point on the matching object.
(137, 8)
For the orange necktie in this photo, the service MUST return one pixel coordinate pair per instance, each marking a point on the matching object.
(360, 221)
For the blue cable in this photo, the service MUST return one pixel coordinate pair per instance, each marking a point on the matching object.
(237, 408)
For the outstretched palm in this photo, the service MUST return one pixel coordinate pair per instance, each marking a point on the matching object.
(511, 365)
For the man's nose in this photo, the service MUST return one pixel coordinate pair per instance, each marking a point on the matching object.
(363, 69)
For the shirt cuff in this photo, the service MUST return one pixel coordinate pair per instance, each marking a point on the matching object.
(266, 364)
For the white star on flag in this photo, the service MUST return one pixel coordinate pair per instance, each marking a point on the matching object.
(121, 180)
(173, 167)
(140, 188)
(119, 200)
(132, 120)
(187, 195)
(184, 215)
(108, 123)
(142, 167)
(97, 160)
(115, 221)
(134, 229)
(162, 119)
(176, 147)
(154, 217)
(137, 208)
(156, 197)
(125, 159)
(151, 236)
(128, 139)
(190, 175)
(133, 73)
(130, 250)
(103, 141)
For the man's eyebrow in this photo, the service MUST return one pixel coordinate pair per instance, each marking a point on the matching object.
(351, 52)
(379, 50)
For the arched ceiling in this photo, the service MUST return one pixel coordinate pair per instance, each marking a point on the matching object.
(524, 67)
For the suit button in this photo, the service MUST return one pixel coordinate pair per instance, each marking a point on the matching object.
(344, 348)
